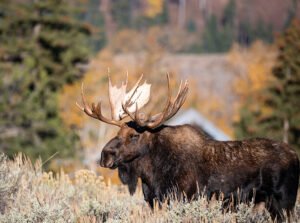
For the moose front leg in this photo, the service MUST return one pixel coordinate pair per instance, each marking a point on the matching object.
(149, 195)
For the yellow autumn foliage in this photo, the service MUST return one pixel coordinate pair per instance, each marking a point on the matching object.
(153, 40)
(154, 8)
(255, 66)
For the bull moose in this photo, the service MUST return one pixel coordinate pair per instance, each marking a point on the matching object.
(184, 161)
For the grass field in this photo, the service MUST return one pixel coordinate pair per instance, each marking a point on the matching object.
(27, 194)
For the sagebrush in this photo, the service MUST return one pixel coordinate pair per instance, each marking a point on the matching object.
(28, 194)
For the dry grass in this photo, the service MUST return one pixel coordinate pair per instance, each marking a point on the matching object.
(27, 194)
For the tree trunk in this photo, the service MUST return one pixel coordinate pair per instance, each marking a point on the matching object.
(181, 14)
(286, 127)
(110, 26)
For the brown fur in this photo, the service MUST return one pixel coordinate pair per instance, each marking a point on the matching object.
(184, 161)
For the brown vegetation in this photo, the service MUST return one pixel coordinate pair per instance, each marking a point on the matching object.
(30, 195)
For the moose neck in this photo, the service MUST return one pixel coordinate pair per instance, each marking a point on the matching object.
(170, 144)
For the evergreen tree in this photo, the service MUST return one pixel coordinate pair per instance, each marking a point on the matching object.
(229, 14)
(291, 13)
(248, 33)
(91, 15)
(282, 122)
(263, 31)
(42, 45)
(210, 39)
(219, 37)
(121, 12)
(216, 38)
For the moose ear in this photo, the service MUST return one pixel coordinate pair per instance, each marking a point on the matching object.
(128, 176)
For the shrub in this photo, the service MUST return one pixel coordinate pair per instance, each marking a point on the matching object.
(30, 195)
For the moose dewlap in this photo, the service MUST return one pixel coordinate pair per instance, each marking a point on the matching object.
(184, 161)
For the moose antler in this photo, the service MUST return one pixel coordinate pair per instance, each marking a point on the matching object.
(95, 111)
(139, 95)
(171, 108)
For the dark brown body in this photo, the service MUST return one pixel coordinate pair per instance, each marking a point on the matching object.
(182, 159)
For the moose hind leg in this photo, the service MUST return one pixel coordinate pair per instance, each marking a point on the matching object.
(282, 205)
(285, 192)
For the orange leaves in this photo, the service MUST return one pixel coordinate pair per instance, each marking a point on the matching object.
(68, 111)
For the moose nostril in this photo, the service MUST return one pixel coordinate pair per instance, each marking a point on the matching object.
(101, 160)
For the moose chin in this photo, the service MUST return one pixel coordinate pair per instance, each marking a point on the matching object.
(184, 161)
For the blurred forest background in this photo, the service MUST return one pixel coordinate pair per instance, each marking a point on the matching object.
(242, 57)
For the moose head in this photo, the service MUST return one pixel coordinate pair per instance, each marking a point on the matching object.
(134, 136)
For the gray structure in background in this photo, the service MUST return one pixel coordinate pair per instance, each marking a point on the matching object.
(191, 116)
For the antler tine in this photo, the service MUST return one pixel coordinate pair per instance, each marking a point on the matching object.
(136, 86)
(77, 104)
(181, 95)
(130, 114)
(137, 116)
(97, 111)
(171, 108)
(133, 115)
(87, 110)
(161, 116)
(116, 97)
(126, 79)
(179, 91)
(168, 104)
(94, 112)
(112, 107)
(179, 100)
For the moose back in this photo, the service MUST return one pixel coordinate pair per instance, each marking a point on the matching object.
(183, 161)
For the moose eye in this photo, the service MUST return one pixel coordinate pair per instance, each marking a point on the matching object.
(133, 137)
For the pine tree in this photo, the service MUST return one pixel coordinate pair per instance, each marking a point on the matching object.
(92, 16)
(42, 45)
(284, 93)
(282, 96)
(121, 13)
(219, 37)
